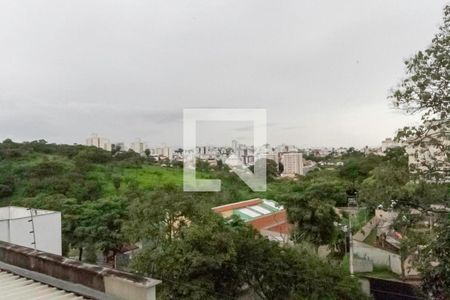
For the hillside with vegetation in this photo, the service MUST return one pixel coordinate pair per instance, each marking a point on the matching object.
(109, 200)
(112, 199)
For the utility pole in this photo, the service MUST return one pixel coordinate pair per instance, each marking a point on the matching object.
(351, 245)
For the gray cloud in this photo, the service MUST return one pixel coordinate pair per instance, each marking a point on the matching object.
(322, 69)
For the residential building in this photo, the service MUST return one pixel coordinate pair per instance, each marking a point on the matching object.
(99, 142)
(138, 146)
(234, 145)
(388, 143)
(164, 151)
(428, 158)
(292, 164)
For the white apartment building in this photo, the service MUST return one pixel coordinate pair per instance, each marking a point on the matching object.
(429, 160)
(162, 151)
(292, 164)
(387, 144)
(138, 146)
(99, 142)
(234, 145)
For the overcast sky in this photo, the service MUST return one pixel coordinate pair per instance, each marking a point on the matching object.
(126, 69)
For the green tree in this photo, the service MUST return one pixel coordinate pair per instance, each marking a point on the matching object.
(215, 259)
(100, 223)
(159, 216)
(357, 167)
(425, 91)
(384, 186)
(271, 168)
(434, 265)
(117, 180)
(313, 214)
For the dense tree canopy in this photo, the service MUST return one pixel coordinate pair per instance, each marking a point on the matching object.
(426, 91)
(214, 259)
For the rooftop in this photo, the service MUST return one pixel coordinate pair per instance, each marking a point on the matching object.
(17, 288)
(266, 216)
(26, 273)
(249, 210)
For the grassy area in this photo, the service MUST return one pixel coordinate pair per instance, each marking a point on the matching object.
(147, 177)
(382, 273)
(76, 176)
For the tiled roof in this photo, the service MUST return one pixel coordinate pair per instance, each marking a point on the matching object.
(18, 288)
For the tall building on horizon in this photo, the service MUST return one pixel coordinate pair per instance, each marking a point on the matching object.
(138, 146)
(292, 164)
(388, 143)
(99, 142)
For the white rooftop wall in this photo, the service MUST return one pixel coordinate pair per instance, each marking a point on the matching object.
(15, 228)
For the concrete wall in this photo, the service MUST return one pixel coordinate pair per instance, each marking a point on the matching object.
(365, 286)
(4, 231)
(47, 229)
(361, 265)
(48, 233)
(70, 275)
(15, 228)
(379, 257)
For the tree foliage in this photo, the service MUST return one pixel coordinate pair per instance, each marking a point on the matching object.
(214, 259)
(426, 91)
(434, 265)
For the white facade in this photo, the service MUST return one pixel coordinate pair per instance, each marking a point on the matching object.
(99, 142)
(387, 144)
(16, 228)
(429, 158)
(138, 146)
(162, 151)
(292, 164)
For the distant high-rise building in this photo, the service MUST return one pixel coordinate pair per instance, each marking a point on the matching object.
(138, 146)
(427, 157)
(387, 144)
(163, 151)
(292, 164)
(167, 152)
(234, 145)
(99, 142)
